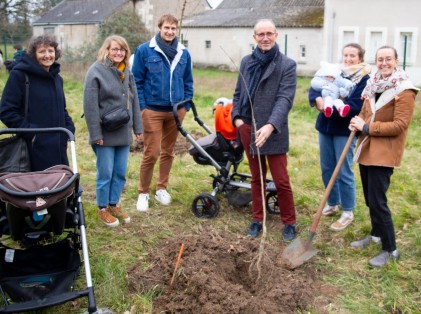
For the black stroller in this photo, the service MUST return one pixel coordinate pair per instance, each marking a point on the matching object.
(225, 155)
(42, 212)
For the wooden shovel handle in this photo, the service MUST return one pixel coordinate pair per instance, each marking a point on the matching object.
(331, 183)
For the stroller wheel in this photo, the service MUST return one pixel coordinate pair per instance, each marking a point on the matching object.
(205, 206)
(272, 203)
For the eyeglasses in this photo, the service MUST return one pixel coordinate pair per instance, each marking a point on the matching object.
(387, 60)
(115, 50)
(262, 35)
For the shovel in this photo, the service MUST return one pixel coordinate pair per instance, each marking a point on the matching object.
(300, 251)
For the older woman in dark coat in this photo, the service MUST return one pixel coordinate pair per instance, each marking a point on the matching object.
(46, 102)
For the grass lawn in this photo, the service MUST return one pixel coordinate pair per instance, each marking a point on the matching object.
(357, 287)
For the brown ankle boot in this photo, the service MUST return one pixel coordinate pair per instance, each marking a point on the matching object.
(108, 219)
(117, 212)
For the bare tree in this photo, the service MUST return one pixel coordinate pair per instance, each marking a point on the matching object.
(15, 20)
(183, 8)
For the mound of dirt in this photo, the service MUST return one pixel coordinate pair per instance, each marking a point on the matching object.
(214, 276)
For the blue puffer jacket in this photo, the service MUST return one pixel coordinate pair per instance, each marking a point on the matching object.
(336, 125)
(159, 83)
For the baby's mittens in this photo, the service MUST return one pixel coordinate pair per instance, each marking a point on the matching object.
(343, 92)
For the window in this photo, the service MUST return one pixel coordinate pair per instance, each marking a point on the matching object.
(346, 35)
(406, 44)
(302, 51)
(208, 44)
(375, 38)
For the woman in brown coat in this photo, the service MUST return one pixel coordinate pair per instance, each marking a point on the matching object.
(383, 122)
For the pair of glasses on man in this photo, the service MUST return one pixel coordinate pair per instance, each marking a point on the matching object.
(115, 50)
(263, 35)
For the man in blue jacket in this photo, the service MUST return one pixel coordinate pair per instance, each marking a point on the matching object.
(162, 69)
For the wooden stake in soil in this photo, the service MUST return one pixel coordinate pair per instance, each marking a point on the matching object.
(176, 266)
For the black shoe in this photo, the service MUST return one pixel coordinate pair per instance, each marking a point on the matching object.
(289, 233)
(254, 229)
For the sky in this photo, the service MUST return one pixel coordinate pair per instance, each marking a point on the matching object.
(214, 3)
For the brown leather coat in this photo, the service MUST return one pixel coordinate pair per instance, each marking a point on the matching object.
(388, 128)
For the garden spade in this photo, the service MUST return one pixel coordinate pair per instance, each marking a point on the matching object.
(300, 251)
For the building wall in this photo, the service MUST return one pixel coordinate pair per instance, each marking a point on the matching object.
(383, 23)
(229, 45)
(70, 36)
(74, 36)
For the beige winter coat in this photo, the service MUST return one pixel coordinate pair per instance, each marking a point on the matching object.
(388, 118)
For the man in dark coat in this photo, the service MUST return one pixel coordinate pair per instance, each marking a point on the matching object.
(263, 96)
(46, 102)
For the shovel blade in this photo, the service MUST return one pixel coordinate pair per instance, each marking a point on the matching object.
(298, 252)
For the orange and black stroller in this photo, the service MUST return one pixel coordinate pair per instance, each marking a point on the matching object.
(221, 149)
(42, 231)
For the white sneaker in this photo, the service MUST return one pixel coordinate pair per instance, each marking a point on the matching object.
(330, 210)
(346, 218)
(142, 204)
(163, 197)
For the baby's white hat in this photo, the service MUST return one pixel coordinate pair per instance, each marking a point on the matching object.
(328, 69)
(223, 101)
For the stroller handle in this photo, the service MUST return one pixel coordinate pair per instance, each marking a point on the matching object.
(175, 113)
(65, 186)
(69, 134)
(196, 117)
(38, 130)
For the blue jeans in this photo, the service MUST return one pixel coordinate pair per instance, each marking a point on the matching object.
(343, 191)
(111, 167)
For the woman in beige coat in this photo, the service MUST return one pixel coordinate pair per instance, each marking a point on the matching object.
(383, 122)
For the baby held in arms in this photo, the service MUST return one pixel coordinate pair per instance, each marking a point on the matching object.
(329, 81)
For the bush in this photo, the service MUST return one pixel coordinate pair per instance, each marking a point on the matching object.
(125, 23)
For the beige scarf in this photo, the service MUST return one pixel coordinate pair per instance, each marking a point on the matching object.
(355, 72)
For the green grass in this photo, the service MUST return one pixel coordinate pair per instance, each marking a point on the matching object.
(394, 289)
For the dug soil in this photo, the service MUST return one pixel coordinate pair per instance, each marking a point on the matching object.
(217, 273)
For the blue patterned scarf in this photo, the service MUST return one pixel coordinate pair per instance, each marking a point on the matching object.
(170, 50)
(258, 62)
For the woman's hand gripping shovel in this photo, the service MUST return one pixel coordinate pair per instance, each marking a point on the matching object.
(300, 251)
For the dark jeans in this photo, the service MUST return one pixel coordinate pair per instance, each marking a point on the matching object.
(376, 181)
(278, 169)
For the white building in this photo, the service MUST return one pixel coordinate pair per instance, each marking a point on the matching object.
(373, 24)
(221, 37)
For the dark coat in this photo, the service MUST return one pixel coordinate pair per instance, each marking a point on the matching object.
(272, 102)
(46, 108)
(337, 125)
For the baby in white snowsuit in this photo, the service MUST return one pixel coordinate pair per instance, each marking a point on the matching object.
(333, 86)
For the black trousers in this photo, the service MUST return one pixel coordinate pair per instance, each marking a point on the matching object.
(376, 181)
